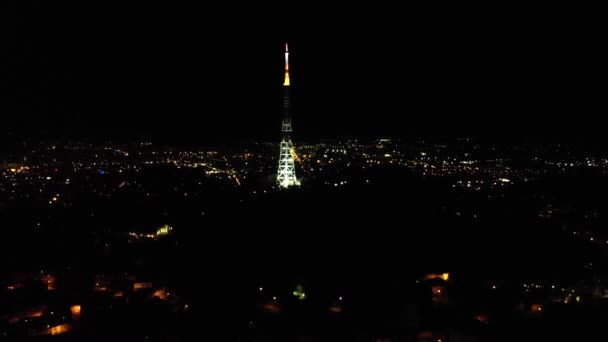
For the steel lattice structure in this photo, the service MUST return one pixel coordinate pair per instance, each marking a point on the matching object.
(286, 174)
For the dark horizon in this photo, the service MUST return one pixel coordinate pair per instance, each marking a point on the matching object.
(213, 73)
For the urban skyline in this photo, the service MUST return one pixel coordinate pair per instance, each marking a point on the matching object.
(406, 172)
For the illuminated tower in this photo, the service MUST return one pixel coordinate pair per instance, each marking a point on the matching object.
(286, 175)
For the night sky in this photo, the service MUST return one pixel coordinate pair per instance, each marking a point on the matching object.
(199, 73)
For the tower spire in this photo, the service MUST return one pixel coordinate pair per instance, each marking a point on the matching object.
(286, 82)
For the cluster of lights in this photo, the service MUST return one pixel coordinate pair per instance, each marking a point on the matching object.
(160, 232)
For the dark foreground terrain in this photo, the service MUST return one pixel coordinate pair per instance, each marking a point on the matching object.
(390, 256)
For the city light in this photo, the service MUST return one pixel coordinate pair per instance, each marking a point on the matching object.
(75, 310)
(299, 292)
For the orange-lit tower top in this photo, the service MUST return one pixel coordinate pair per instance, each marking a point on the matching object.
(286, 82)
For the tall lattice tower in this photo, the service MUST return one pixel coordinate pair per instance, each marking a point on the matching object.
(286, 175)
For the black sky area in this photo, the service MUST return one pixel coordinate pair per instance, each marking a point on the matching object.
(205, 72)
